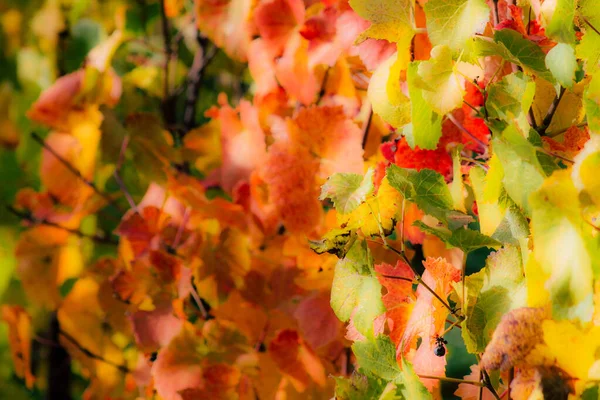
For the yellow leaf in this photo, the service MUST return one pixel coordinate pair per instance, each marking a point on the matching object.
(573, 349)
(385, 92)
(378, 211)
(390, 19)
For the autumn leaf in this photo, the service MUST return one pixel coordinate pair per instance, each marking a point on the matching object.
(19, 336)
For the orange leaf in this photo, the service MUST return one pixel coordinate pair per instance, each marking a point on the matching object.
(296, 360)
(290, 173)
(19, 338)
(276, 21)
(227, 24)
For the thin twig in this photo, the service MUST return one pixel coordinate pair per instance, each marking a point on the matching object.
(166, 33)
(198, 301)
(553, 107)
(93, 355)
(125, 191)
(181, 228)
(36, 221)
(532, 118)
(488, 384)
(542, 150)
(472, 107)
(399, 278)
(74, 171)
(367, 126)
(495, 13)
(589, 24)
(466, 131)
(511, 377)
(118, 178)
(121, 158)
(323, 85)
(402, 225)
(168, 101)
(420, 281)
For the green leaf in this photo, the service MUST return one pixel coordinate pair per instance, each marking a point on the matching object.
(465, 239)
(358, 387)
(512, 47)
(66, 287)
(410, 385)
(560, 25)
(85, 35)
(443, 88)
(524, 51)
(498, 288)
(511, 98)
(523, 173)
(401, 179)
(452, 22)
(513, 227)
(347, 191)
(377, 357)
(428, 189)
(355, 286)
(431, 191)
(561, 61)
(426, 127)
(591, 103)
(501, 220)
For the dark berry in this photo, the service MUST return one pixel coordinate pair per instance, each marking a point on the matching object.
(440, 351)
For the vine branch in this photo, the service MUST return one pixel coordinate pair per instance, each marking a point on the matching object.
(551, 111)
(202, 58)
(26, 216)
(453, 380)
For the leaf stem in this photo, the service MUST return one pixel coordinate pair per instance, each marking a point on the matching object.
(89, 353)
(453, 380)
(420, 281)
(455, 323)
(366, 127)
(466, 131)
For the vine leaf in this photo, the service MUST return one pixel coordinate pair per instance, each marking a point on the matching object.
(355, 290)
(452, 22)
(347, 191)
(425, 129)
(498, 288)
